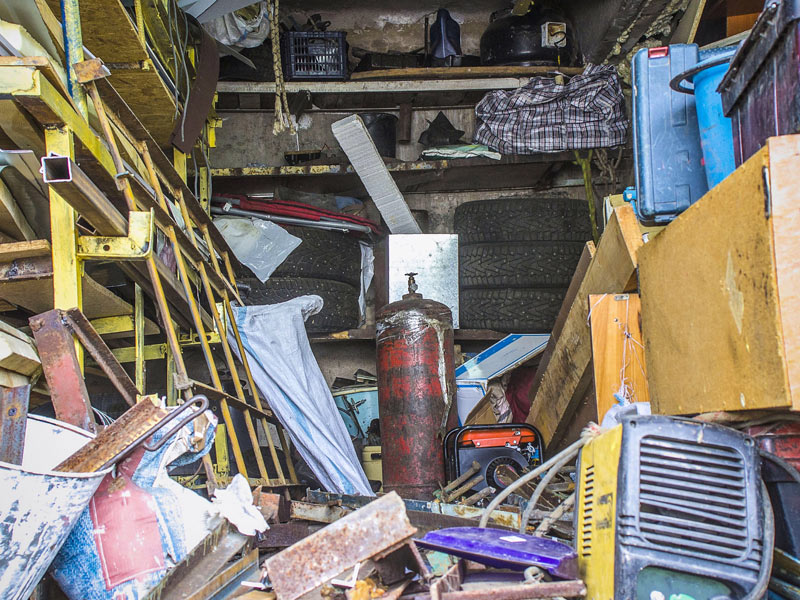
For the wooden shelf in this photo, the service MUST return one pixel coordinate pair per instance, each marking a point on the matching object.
(393, 166)
(368, 334)
(384, 89)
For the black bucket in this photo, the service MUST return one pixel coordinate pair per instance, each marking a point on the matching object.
(383, 129)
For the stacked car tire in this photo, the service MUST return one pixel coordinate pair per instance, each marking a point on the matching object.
(516, 259)
(326, 264)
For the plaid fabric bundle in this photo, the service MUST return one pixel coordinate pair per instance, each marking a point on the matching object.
(544, 116)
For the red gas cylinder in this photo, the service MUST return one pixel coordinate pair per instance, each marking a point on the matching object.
(416, 390)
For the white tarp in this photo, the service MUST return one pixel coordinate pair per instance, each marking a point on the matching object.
(288, 376)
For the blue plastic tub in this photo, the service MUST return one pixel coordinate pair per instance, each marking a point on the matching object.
(716, 130)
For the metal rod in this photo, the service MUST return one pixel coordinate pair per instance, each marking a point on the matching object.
(475, 498)
(73, 48)
(464, 488)
(238, 212)
(237, 384)
(242, 353)
(138, 325)
(194, 309)
(125, 185)
(476, 466)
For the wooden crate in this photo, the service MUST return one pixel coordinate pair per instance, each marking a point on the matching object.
(720, 291)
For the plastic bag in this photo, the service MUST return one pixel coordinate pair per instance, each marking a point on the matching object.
(233, 29)
(258, 244)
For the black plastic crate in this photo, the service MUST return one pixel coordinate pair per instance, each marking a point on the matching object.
(314, 55)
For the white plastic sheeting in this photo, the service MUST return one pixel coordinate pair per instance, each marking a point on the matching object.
(258, 244)
(287, 374)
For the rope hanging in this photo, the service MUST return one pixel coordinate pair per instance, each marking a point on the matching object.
(283, 120)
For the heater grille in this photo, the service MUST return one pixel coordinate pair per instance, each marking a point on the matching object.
(585, 531)
(692, 500)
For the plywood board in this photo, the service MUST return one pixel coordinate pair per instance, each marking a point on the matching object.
(784, 156)
(612, 270)
(14, 250)
(618, 360)
(17, 355)
(37, 297)
(712, 320)
(462, 72)
(563, 313)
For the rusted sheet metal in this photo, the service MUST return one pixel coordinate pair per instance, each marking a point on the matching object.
(133, 428)
(449, 587)
(450, 581)
(376, 528)
(200, 565)
(268, 504)
(227, 578)
(62, 370)
(506, 517)
(283, 535)
(320, 513)
(13, 421)
(525, 591)
(116, 437)
(101, 353)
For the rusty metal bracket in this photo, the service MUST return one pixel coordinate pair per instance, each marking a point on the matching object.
(90, 70)
(137, 245)
(80, 326)
(62, 370)
(380, 526)
(13, 421)
(201, 564)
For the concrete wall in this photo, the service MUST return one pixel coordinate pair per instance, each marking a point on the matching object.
(246, 138)
(397, 26)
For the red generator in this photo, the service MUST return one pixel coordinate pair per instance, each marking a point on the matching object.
(516, 445)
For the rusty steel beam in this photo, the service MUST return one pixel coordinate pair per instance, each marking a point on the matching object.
(13, 421)
(79, 325)
(201, 564)
(62, 370)
(116, 438)
(227, 578)
(377, 528)
(525, 591)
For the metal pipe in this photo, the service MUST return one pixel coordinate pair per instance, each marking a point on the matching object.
(238, 212)
(464, 488)
(73, 49)
(474, 468)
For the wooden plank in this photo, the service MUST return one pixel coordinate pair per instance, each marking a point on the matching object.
(36, 295)
(784, 156)
(612, 270)
(374, 87)
(11, 379)
(19, 129)
(558, 326)
(17, 355)
(687, 27)
(12, 221)
(462, 72)
(14, 250)
(620, 371)
(714, 322)
(107, 31)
